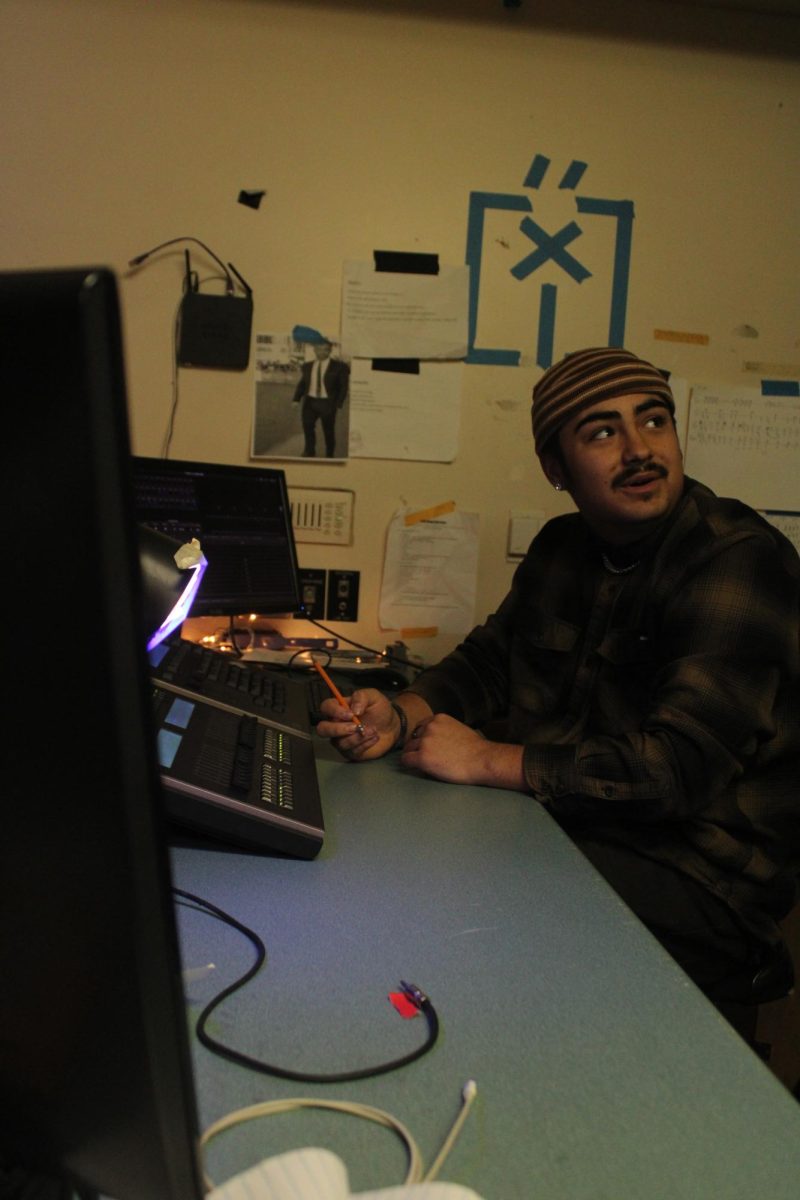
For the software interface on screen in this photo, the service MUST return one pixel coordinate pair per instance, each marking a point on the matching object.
(241, 517)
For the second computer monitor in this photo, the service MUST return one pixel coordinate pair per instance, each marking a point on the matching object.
(242, 518)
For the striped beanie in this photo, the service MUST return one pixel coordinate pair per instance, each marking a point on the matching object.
(589, 377)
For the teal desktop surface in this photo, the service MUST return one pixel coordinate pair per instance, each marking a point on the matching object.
(601, 1070)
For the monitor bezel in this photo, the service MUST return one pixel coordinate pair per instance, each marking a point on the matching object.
(96, 1083)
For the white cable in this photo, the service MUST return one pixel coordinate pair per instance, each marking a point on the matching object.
(271, 1107)
(468, 1094)
(415, 1172)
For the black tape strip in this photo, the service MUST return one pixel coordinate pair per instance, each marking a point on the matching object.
(407, 263)
(408, 366)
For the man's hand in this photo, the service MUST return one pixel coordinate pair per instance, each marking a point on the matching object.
(448, 750)
(380, 723)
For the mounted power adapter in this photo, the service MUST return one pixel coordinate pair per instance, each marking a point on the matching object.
(215, 331)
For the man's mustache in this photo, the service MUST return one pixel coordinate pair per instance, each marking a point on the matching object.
(630, 473)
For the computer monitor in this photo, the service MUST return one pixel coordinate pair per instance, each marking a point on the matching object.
(242, 518)
(95, 1080)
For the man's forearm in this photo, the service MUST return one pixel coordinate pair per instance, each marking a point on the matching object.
(502, 767)
(448, 749)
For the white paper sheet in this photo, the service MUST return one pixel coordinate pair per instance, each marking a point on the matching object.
(680, 393)
(788, 523)
(391, 314)
(430, 572)
(316, 1174)
(745, 444)
(398, 415)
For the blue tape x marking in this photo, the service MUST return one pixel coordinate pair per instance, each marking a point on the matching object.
(551, 246)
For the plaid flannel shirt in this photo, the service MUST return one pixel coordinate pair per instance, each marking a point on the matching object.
(659, 708)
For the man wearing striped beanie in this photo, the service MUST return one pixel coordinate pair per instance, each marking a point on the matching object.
(640, 680)
(588, 377)
(578, 425)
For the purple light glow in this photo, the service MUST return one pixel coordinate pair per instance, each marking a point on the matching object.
(181, 609)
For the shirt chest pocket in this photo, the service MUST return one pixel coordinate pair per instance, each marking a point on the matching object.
(551, 637)
(626, 649)
(542, 662)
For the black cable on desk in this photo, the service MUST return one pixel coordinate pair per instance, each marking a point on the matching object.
(384, 654)
(414, 994)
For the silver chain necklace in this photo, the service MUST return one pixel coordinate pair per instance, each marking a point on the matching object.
(609, 566)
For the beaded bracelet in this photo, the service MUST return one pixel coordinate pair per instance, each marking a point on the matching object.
(401, 737)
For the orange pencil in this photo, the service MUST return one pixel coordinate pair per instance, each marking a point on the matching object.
(337, 695)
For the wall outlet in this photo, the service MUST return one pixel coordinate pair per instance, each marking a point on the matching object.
(343, 595)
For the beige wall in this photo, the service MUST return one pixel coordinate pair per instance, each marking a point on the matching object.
(127, 122)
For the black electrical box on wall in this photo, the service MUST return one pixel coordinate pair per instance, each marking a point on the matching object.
(214, 331)
(342, 596)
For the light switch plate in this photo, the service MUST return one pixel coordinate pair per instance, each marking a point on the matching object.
(522, 528)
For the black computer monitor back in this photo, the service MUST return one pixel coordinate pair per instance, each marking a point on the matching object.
(95, 1081)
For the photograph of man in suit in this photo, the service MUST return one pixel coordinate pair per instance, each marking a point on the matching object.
(322, 391)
